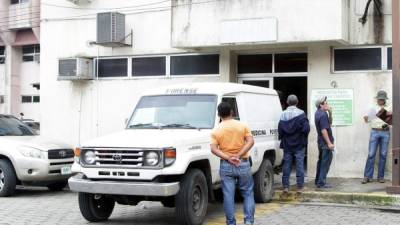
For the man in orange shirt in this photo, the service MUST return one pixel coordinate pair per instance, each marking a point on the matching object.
(231, 140)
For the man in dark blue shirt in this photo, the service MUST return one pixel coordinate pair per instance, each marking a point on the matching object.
(325, 142)
(293, 129)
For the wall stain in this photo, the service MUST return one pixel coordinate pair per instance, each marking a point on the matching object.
(378, 20)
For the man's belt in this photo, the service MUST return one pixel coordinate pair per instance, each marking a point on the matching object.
(381, 129)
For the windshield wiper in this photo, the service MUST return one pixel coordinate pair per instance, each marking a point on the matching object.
(179, 125)
(147, 125)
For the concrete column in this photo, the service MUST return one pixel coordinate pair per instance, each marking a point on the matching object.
(36, 22)
(12, 78)
(227, 66)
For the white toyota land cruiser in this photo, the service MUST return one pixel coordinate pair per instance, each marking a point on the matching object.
(164, 152)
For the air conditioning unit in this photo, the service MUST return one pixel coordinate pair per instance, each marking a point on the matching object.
(111, 29)
(75, 69)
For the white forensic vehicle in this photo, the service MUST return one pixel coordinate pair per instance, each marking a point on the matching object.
(164, 153)
(28, 159)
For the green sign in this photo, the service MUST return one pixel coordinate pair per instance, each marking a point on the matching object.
(341, 103)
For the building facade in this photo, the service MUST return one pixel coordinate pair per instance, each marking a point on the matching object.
(20, 58)
(300, 47)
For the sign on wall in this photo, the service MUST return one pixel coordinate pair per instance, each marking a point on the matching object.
(340, 100)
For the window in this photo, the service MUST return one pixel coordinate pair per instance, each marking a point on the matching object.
(232, 101)
(174, 112)
(389, 58)
(195, 65)
(261, 63)
(2, 54)
(30, 53)
(357, 59)
(290, 63)
(1, 99)
(148, 66)
(112, 67)
(30, 99)
(18, 1)
(26, 99)
(36, 99)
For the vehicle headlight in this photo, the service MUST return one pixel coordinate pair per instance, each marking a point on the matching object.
(32, 152)
(89, 157)
(151, 159)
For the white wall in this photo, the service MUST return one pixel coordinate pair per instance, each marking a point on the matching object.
(351, 141)
(77, 111)
(30, 73)
(199, 24)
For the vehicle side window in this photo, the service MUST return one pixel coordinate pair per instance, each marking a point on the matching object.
(232, 102)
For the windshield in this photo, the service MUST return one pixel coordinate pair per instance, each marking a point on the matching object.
(175, 111)
(11, 126)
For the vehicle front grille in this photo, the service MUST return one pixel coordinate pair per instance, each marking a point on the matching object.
(112, 157)
(61, 154)
(118, 157)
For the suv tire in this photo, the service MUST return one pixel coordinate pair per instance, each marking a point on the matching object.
(192, 199)
(8, 179)
(264, 182)
(95, 208)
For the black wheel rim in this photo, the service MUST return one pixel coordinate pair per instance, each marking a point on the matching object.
(2, 178)
(99, 202)
(197, 201)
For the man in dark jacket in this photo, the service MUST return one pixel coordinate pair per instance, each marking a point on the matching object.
(293, 131)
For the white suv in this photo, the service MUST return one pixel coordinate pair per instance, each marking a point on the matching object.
(28, 159)
(164, 152)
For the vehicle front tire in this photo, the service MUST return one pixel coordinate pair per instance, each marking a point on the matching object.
(192, 199)
(58, 186)
(264, 182)
(8, 179)
(95, 208)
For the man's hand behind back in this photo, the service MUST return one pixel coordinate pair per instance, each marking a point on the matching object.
(234, 160)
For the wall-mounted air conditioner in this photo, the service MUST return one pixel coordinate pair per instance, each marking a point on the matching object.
(75, 69)
(111, 29)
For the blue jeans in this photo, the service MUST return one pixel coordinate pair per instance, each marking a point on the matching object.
(288, 155)
(241, 176)
(324, 163)
(381, 139)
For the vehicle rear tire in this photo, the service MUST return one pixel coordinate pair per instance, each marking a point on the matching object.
(192, 199)
(58, 186)
(95, 208)
(264, 182)
(8, 179)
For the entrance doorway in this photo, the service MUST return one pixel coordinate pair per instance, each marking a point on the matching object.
(285, 86)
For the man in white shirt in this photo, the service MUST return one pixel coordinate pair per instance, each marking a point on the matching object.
(379, 119)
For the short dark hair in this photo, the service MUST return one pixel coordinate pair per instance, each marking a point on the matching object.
(224, 110)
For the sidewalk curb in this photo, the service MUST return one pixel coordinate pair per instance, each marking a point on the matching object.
(360, 199)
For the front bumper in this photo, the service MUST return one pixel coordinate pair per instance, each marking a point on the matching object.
(123, 187)
(41, 170)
